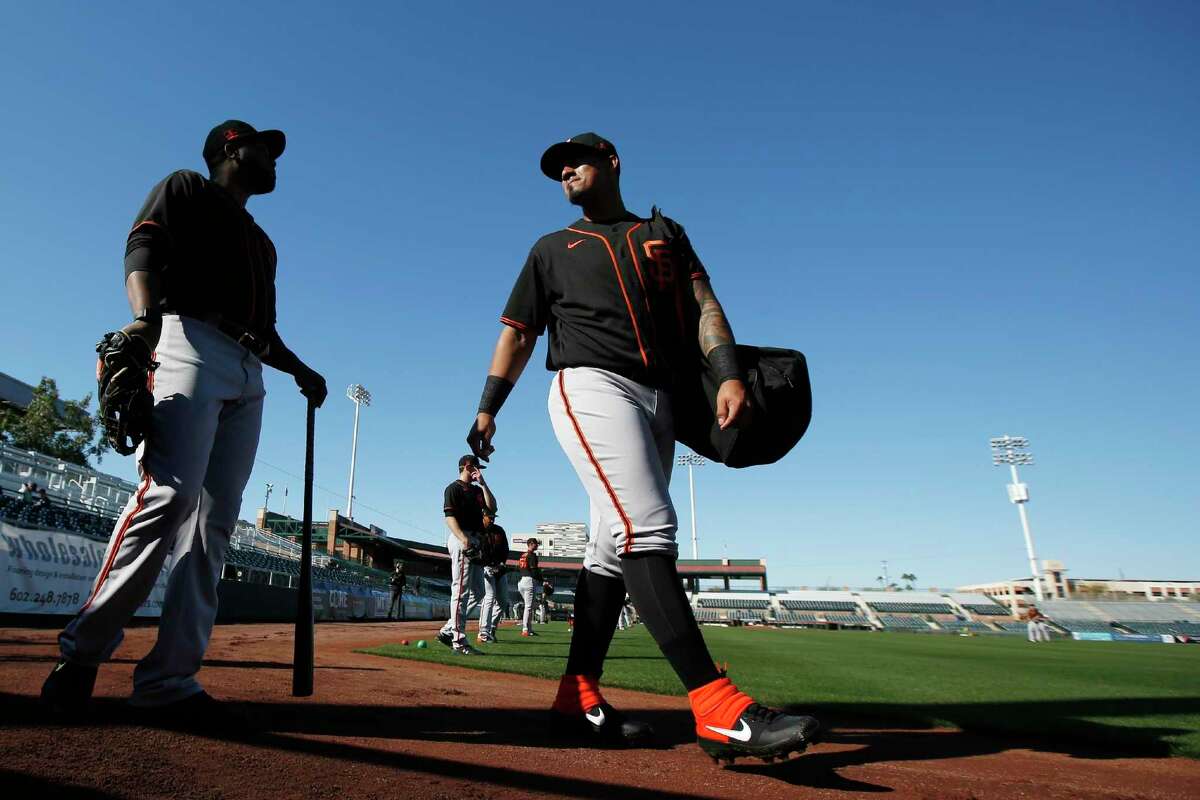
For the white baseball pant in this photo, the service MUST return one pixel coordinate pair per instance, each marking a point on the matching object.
(1038, 632)
(489, 609)
(466, 590)
(619, 437)
(525, 587)
(208, 401)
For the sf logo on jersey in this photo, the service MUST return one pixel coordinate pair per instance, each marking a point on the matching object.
(662, 263)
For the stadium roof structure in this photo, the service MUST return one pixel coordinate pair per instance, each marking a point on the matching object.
(19, 394)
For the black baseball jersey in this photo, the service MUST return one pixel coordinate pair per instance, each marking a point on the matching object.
(209, 253)
(616, 296)
(528, 564)
(464, 502)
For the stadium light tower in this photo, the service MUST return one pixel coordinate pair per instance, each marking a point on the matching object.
(692, 460)
(361, 397)
(1014, 450)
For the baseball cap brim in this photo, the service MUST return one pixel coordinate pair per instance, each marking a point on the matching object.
(557, 155)
(274, 140)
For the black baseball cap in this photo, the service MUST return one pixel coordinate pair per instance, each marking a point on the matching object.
(487, 512)
(586, 145)
(472, 460)
(234, 130)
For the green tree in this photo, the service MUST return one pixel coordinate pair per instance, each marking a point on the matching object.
(69, 435)
(909, 579)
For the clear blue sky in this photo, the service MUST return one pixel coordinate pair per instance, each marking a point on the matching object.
(974, 218)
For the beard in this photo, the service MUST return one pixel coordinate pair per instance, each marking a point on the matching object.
(258, 179)
(579, 197)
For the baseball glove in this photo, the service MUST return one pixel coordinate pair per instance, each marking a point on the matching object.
(123, 376)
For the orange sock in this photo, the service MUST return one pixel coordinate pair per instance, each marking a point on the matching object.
(577, 694)
(719, 704)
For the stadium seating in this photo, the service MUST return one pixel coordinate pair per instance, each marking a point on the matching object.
(965, 624)
(987, 609)
(703, 615)
(903, 623)
(796, 618)
(733, 603)
(848, 619)
(746, 616)
(28, 514)
(911, 608)
(1011, 627)
(818, 605)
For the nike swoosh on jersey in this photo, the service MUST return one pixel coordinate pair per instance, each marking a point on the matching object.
(742, 734)
(574, 244)
(596, 719)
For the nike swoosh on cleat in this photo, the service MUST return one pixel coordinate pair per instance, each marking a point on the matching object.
(742, 734)
(574, 244)
(596, 719)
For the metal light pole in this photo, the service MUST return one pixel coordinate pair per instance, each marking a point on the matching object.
(1014, 450)
(267, 501)
(361, 397)
(692, 460)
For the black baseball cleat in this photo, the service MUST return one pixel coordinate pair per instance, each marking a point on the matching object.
(602, 723)
(68, 688)
(466, 650)
(760, 732)
(445, 638)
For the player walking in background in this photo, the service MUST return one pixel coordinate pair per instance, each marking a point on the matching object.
(494, 593)
(200, 278)
(1035, 625)
(626, 302)
(398, 582)
(464, 502)
(531, 576)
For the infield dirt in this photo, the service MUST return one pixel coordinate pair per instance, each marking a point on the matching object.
(380, 727)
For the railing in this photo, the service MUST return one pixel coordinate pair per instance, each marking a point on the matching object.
(247, 537)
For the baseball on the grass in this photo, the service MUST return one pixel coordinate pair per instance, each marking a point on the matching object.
(404, 642)
(421, 644)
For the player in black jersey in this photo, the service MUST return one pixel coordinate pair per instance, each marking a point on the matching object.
(200, 278)
(629, 307)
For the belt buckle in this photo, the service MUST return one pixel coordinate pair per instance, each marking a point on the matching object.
(252, 343)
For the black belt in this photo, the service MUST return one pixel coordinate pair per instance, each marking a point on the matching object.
(239, 333)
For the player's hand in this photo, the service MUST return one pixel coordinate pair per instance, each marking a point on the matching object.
(479, 437)
(145, 330)
(733, 405)
(312, 385)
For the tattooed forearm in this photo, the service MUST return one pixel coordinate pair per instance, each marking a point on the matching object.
(714, 327)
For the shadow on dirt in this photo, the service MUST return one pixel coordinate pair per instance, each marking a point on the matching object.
(288, 726)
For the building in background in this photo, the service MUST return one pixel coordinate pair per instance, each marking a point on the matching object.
(557, 539)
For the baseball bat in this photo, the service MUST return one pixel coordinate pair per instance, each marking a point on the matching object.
(302, 658)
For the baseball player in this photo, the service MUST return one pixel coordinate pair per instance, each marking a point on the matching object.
(200, 278)
(1035, 625)
(544, 606)
(494, 593)
(624, 620)
(629, 307)
(464, 502)
(398, 582)
(531, 576)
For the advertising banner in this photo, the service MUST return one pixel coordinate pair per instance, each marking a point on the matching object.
(52, 572)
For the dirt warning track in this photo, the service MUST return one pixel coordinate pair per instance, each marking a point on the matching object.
(379, 727)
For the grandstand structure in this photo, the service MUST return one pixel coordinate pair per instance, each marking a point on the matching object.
(1057, 585)
(68, 486)
(951, 612)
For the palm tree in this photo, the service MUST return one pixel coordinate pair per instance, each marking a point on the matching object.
(909, 579)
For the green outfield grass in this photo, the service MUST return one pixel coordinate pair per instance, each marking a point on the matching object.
(1143, 697)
